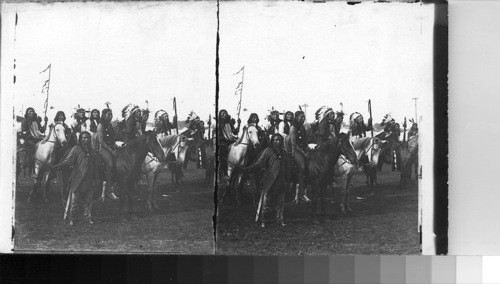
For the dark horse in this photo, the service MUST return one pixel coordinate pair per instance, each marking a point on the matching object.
(320, 167)
(129, 158)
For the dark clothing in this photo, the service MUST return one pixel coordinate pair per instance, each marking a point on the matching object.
(324, 132)
(84, 174)
(277, 169)
(131, 131)
(30, 130)
(298, 137)
(93, 125)
(165, 127)
(359, 130)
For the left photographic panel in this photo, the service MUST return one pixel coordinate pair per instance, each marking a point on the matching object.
(107, 126)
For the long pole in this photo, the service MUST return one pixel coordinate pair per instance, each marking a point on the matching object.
(415, 99)
(370, 111)
(175, 111)
(241, 90)
(209, 125)
(48, 86)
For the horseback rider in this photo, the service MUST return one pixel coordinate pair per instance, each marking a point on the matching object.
(284, 126)
(60, 118)
(252, 153)
(337, 123)
(93, 121)
(357, 126)
(132, 117)
(273, 123)
(162, 123)
(226, 137)
(413, 131)
(30, 128)
(196, 130)
(391, 133)
(80, 123)
(105, 144)
(144, 120)
(297, 148)
(325, 118)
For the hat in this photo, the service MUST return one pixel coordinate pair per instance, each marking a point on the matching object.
(323, 112)
(129, 110)
(354, 116)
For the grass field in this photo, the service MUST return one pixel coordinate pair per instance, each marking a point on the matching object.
(182, 225)
(383, 223)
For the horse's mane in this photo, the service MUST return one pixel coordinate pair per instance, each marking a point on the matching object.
(167, 138)
(47, 137)
(323, 147)
(132, 143)
(241, 136)
(362, 143)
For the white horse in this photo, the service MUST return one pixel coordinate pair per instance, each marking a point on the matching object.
(45, 156)
(367, 150)
(176, 145)
(237, 156)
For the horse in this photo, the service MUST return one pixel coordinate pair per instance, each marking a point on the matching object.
(45, 157)
(367, 151)
(238, 157)
(320, 164)
(409, 157)
(152, 166)
(128, 163)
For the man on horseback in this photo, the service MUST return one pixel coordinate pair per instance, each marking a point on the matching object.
(252, 153)
(196, 130)
(30, 129)
(325, 118)
(31, 133)
(93, 121)
(357, 126)
(80, 124)
(297, 148)
(132, 117)
(273, 123)
(105, 144)
(162, 123)
(226, 137)
(276, 163)
(391, 134)
(284, 126)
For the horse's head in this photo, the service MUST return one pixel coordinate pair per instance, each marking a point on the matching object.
(346, 149)
(153, 146)
(253, 135)
(59, 133)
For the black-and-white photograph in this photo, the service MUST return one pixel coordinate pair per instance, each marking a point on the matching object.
(325, 127)
(113, 125)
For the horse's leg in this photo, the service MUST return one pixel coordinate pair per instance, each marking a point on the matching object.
(123, 189)
(315, 202)
(155, 189)
(149, 192)
(343, 193)
(130, 201)
(348, 190)
(239, 189)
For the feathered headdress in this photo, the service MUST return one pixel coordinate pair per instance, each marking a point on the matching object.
(129, 110)
(192, 116)
(354, 115)
(387, 118)
(146, 109)
(322, 112)
(159, 113)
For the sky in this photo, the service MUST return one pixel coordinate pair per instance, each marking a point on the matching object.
(298, 53)
(117, 52)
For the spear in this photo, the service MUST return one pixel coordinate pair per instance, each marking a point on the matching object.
(370, 110)
(175, 111)
(404, 130)
(209, 125)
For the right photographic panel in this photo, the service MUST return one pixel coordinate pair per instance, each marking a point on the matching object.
(325, 128)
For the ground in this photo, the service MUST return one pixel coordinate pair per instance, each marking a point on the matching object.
(182, 225)
(383, 223)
